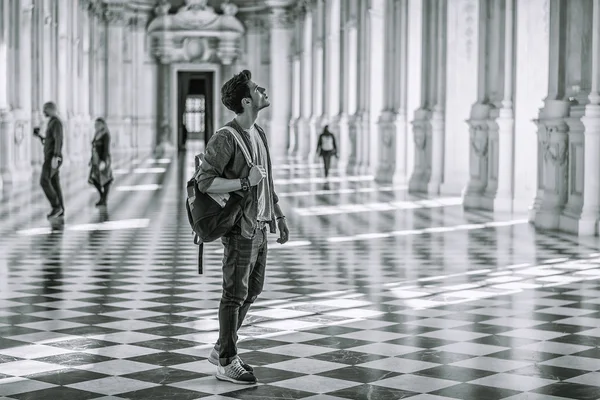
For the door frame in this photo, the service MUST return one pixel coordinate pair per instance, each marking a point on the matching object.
(194, 67)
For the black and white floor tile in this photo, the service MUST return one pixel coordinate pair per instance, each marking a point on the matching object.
(379, 295)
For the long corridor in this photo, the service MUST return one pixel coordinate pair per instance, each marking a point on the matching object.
(378, 295)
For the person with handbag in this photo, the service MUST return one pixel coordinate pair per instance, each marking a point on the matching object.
(101, 175)
(224, 169)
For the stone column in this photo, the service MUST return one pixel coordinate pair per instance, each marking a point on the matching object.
(386, 122)
(587, 223)
(64, 77)
(348, 138)
(293, 136)
(462, 64)
(12, 113)
(318, 118)
(24, 126)
(361, 122)
(552, 130)
(306, 94)
(499, 192)
(333, 89)
(404, 148)
(115, 90)
(80, 138)
(86, 48)
(37, 80)
(144, 83)
(532, 46)
(281, 80)
(437, 114)
(417, 98)
(339, 101)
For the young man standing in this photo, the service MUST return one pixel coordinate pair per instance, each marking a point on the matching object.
(224, 170)
(53, 142)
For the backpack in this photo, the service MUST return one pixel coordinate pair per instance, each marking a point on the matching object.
(213, 215)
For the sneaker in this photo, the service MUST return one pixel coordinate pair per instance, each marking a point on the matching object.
(56, 212)
(214, 360)
(235, 373)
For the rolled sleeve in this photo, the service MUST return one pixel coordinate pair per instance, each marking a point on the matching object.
(218, 153)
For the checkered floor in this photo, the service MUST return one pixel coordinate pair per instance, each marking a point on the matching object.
(379, 295)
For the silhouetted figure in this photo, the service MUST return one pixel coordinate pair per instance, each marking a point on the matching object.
(101, 175)
(53, 142)
(326, 148)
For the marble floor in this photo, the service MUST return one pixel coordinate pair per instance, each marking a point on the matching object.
(379, 295)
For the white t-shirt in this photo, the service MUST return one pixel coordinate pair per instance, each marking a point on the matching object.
(260, 158)
(327, 143)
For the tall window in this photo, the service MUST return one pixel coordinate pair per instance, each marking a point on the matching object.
(195, 114)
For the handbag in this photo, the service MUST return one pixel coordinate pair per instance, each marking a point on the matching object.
(213, 215)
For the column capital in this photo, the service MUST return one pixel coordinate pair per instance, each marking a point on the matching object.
(95, 8)
(138, 18)
(115, 13)
(280, 18)
(254, 22)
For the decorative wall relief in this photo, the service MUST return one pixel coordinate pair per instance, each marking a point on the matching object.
(557, 153)
(19, 133)
(479, 142)
(196, 31)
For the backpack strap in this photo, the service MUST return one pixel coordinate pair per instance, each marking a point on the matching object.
(240, 142)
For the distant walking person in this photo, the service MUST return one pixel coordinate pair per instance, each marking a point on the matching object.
(53, 143)
(101, 175)
(326, 148)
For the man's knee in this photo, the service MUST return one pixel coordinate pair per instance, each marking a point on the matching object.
(253, 293)
(251, 299)
(234, 299)
(45, 178)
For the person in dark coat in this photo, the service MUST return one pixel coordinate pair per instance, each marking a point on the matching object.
(101, 175)
(53, 144)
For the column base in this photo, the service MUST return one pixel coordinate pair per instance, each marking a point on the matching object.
(433, 188)
(545, 218)
(418, 184)
(580, 225)
(385, 174)
(472, 200)
(453, 188)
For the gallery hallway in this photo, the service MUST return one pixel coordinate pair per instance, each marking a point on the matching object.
(378, 295)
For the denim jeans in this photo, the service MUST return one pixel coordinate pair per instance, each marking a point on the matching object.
(244, 263)
(50, 182)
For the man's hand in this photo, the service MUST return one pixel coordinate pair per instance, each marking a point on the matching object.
(284, 232)
(257, 174)
(102, 166)
(55, 162)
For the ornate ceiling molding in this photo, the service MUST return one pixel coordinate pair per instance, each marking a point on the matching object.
(196, 32)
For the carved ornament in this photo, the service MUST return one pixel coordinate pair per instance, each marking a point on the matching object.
(196, 31)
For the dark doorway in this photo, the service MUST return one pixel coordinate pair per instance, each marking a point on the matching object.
(195, 106)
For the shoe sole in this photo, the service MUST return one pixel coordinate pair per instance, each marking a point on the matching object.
(228, 379)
